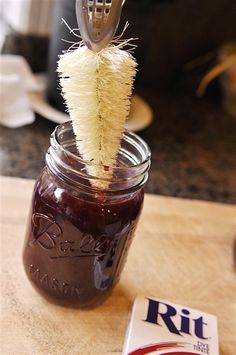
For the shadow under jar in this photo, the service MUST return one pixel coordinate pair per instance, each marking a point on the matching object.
(78, 236)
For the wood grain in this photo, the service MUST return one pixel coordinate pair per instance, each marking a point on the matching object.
(183, 252)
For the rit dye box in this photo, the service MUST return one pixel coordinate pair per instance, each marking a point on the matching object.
(164, 328)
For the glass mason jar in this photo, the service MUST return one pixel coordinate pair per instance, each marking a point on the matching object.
(78, 236)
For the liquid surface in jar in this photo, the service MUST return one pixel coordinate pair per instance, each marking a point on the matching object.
(75, 246)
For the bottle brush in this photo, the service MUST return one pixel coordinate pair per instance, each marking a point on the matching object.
(97, 87)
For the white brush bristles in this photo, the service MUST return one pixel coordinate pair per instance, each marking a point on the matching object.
(97, 88)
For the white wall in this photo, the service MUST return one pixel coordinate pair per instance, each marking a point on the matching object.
(28, 16)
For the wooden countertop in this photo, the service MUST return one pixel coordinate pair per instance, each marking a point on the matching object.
(182, 252)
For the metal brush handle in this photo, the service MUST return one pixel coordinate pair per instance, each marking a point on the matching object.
(98, 21)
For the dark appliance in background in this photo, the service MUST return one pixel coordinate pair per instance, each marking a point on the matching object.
(171, 33)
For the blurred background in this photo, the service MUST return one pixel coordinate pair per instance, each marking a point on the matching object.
(184, 103)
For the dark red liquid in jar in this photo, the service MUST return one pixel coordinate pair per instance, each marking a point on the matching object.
(76, 246)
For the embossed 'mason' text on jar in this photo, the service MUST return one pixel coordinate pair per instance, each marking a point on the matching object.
(78, 236)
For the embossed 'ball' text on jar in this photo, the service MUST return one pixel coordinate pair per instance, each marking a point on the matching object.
(78, 236)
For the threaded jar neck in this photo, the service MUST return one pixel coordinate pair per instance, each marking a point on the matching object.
(129, 174)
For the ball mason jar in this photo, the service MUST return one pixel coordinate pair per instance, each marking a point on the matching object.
(78, 236)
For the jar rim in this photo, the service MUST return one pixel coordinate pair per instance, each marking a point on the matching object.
(133, 155)
(68, 126)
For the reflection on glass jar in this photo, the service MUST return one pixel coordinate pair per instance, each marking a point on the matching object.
(78, 237)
